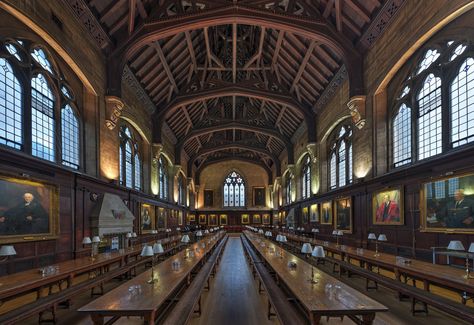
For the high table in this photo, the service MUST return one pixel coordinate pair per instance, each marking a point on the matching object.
(440, 275)
(121, 302)
(21, 283)
(327, 297)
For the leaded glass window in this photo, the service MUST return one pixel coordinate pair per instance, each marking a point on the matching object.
(39, 55)
(70, 137)
(163, 179)
(42, 119)
(340, 153)
(130, 162)
(11, 107)
(462, 104)
(234, 190)
(306, 178)
(401, 133)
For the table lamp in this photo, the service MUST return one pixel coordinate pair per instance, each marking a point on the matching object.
(260, 231)
(6, 251)
(268, 234)
(306, 249)
(382, 238)
(339, 233)
(199, 234)
(315, 231)
(185, 239)
(456, 245)
(147, 251)
(95, 246)
(372, 236)
(206, 232)
(317, 252)
(87, 241)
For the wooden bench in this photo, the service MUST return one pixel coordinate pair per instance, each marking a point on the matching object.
(276, 297)
(185, 307)
(415, 294)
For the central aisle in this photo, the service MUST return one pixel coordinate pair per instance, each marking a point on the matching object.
(234, 298)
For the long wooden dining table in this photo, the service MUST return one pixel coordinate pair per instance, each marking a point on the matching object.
(429, 274)
(137, 297)
(64, 273)
(327, 297)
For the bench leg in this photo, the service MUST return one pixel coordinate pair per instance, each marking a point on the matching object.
(260, 286)
(368, 319)
(368, 286)
(101, 291)
(269, 313)
(52, 310)
(413, 307)
(198, 311)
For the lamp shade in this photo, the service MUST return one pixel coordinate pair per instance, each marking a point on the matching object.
(96, 239)
(134, 234)
(143, 250)
(128, 235)
(340, 233)
(260, 231)
(283, 239)
(372, 236)
(199, 233)
(7, 250)
(315, 230)
(87, 241)
(185, 239)
(268, 234)
(178, 229)
(278, 238)
(147, 251)
(382, 237)
(318, 251)
(471, 248)
(334, 232)
(158, 248)
(206, 231)
(306, 249)
(456, 245)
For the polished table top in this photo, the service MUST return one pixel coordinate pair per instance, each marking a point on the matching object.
(26, 280)
(443, 274)
(314, 297)
(152, 295)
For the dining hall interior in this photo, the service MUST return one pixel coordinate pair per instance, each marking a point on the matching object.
(213, 162)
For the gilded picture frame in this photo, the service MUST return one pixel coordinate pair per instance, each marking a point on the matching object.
(314, 213)
(147, 218)
(266, 218)
(213, 220)
(305, 215)
(223, 219)
(29, 210)
(343, 214)
(256, 218)
(447, 204)
(387, 207)
(202, 219)
(245, 218)
(326, 213)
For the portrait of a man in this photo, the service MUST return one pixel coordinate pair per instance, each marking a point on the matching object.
(29, 210)
(28, 216)
(343, 212)
(460, 211)
(387, 207)
(146, 220)
(326, 213)
(147, 217)
(314, 213)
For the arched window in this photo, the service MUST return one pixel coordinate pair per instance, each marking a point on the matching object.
(434, 111)
(234, 190)
(11, 107)
(288, 188)
(129, 157)
(306, 178)
(49, 99)
(163, 179)
(340, 158)
(181, 190)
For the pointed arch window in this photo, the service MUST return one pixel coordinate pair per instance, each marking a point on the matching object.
(163, 179)
(129, 157)
(340, 153)
(45, 103)
(234, 190)
(288, 188)
(306, 178)
(434, 112)
(181, 190)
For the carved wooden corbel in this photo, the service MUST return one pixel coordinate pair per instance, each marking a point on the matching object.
(113, 107)
(357, 108)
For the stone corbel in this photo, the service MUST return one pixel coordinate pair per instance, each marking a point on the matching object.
(277, 183)
(176, 169)
(291, 171)
(157, 149)
(312, 151)
(357, 108)
(113, 108)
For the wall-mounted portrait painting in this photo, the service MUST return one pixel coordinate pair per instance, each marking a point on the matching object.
(314, 213)
(266, 218)
(245, 218)
(387, 207)
(305, 215)
(161, 218)
(180, 217)
(29, 210)
(343, 214)
(208, 198)
(202, 219)
(223, 219)
(191, 218)
(147, 218)
(256, 218)
(259, 196)
(213, 220)
(447, 204)
(326, 213)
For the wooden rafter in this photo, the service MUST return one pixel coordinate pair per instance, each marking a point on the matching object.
(303, 64)
(257, 55)
(234, 52)
(166, 67)
(192, 54)
(281, 34)
(132, 5)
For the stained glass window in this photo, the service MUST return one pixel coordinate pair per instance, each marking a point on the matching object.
(288, 188)
(430, 57)
(138, 173)
(234, 190)
(11, 107)
(333, 171)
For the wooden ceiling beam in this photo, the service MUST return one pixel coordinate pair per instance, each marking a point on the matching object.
(192, 54)
(234, 53)
(328, 9)
(210, 55)
(166, 67)
(338, 15)
(358, 10)
(257, 55)
(132, 6)
(111, 10)
(281, 34)
(303, 64)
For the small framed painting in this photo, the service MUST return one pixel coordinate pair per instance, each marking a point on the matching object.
(343, 213)
(202, 219)
(326, 213)
(266, 218)
(387, 207)
(223, 219)
(245, 218)
(305, 215)
(256, 218)
(147, 219)
(314, 213)
(213, 220)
